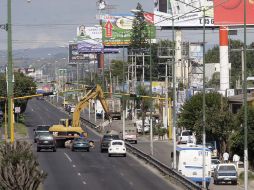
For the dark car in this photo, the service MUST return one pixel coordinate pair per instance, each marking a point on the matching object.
(80, 144)
(40, 129)
(105, 141)
(225, 173)
(46, 141)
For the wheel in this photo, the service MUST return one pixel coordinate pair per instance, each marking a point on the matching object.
(109, 155)
(234, 182)
(124, 155)
(135, 142)
(54, 149)
(38, 149)
(88, 150)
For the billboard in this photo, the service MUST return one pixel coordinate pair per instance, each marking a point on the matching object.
(84, 33)
(232, 12)
(116, 29)
(74, 56)
(186, 13)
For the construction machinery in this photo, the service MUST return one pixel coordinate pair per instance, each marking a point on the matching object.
(68, 129)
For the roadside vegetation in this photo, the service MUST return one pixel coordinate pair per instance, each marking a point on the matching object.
(19, 168)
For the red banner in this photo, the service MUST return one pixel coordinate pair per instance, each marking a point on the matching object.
(231, 12)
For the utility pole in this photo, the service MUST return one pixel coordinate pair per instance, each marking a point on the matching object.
(10, 74)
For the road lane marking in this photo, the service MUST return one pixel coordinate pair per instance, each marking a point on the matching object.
(79, 174)
(84, 182)
(74, 166)
(68, 157)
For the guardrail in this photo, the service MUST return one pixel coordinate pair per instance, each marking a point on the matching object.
(185, 182)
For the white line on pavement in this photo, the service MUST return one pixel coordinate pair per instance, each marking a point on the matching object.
(68, 157)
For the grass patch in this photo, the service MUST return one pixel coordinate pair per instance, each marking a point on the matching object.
(250, 177)
(21, 129)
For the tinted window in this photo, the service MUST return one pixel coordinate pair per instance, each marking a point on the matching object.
(215, 161)
(44, 134)
(110, 137)
(186, 133)
(226, 168)
(80, 140)
(43, 128)
(117, 143)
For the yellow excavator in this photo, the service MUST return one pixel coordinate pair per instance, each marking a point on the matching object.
(68, 129)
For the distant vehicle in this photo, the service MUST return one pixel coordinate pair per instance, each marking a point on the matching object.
(138, 124)
(214, 163)
(106, 139)
(46, 141)
(71, 108)
(114, 106)
(187, 136)
(190, 162)
(80, 144)
(225, 173)
(40, 129)
(130, 134)
(117, 147)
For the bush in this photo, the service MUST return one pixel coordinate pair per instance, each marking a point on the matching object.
(19, 168)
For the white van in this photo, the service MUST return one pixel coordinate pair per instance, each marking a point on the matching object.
(187, 136)
(190, 162)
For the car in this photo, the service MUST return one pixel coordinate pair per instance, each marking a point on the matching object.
(225, 173)
(214, 163)
(187, 136)
(80, 144)
(106, 139)
(117, 147)
(46, 141)
(40, 129)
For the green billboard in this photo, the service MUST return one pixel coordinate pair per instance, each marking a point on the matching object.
(116, 30)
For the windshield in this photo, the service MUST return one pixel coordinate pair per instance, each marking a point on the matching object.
(215, 161)
(226, 168)
(110, 137)
(80, 140)
(117, 143)
(43, 128)
(187, 133)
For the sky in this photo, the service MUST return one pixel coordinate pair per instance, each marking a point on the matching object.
(53, 23)
(47, 23)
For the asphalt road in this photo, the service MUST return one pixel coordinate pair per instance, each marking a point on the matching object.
(87, 170)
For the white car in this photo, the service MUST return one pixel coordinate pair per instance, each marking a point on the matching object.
(214, 163)
(187, 136)
(117, 147)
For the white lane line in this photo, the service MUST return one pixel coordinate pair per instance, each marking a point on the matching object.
(79, 174)
(84, 182)
(68, 157)
(74, 166)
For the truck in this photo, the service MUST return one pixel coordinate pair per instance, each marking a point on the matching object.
(189, 159)
(114, 106)
(130, 134)
(68, 129)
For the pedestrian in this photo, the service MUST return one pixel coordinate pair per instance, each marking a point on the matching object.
(225, 157)
(236, 159)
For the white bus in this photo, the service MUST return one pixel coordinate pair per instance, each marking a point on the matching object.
(189, 162)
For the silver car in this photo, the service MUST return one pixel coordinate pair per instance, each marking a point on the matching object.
(225, 173)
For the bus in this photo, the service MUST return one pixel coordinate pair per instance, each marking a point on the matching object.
(189, 162)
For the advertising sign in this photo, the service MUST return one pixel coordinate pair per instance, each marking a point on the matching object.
(116, 29)
(186, 13)
(84, 33)
(158, 87)
(74, 56)
(232, 12)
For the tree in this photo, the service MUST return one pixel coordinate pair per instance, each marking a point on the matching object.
(23, 86)
(215, 81)
(219, 120)
(140, 34)
(237, 137)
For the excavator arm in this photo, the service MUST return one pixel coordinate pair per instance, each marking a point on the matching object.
(95, 92)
